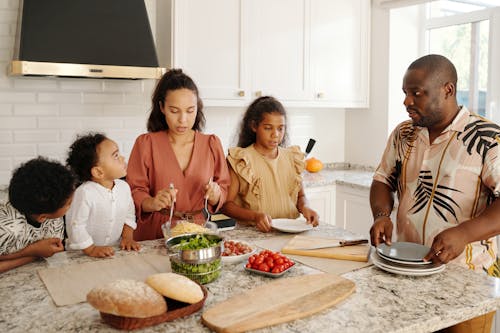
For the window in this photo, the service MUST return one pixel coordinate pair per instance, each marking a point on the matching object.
(460, 30)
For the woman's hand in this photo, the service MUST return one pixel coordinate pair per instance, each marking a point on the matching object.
(46, 247)
(162, 200)
(311, 216)
(212, 192)
(262, 222)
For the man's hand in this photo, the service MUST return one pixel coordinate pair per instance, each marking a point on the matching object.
(311, 216)
(99, 251)
(381, 231)
(447, 245)
(262, 222)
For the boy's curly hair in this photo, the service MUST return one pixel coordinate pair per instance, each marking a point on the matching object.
(82, 155)
(40, 186)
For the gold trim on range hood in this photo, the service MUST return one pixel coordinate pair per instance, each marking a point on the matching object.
(20, 67)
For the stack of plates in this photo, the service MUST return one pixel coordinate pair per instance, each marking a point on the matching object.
(405, 259)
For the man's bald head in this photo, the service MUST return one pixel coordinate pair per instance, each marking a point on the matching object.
(439, 69)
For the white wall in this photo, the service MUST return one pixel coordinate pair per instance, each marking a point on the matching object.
(41, 116)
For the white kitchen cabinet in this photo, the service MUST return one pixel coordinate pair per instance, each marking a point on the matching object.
(322, 200)
(340, 52)
(353, 209)
(304, 52)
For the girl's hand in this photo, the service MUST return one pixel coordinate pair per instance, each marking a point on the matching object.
(129, 244)
(311, 216)
(212, 192)
(46, 247)
(99, 251)
(163, 199)
(262, 222)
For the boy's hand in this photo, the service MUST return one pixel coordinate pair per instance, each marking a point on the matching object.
(46, 247)
(99, 251)
(129, 244)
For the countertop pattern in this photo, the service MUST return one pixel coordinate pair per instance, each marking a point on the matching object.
(382, 302)
(356, 178)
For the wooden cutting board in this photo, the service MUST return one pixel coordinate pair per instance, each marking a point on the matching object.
(354, 252)
(282, 300)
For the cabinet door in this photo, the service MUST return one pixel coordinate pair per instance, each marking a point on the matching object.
(279, 44)
(322, 200)
(208, 46)
(340, 50)
(353, 210)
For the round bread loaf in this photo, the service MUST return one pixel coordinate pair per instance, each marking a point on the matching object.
(176, 286)
(127, 298)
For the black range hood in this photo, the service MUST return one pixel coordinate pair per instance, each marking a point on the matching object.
(85, 38)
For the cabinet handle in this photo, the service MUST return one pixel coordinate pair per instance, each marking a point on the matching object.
(258, 93)
(320, 95)
(241, 93)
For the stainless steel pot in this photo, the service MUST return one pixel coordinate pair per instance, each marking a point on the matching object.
(198, 256)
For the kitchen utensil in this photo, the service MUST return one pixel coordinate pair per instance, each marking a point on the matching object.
(165, 227)
(197, 256)
(279, 301)
(354, 252)
(205, 210)
(291, 225)
(336, 243)
(310, 146)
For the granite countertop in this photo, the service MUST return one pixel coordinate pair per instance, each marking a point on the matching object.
(382, 302)
(360, 178)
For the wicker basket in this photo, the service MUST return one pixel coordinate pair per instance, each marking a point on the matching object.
(175, 310)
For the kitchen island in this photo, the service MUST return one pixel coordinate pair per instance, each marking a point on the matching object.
(382, 302)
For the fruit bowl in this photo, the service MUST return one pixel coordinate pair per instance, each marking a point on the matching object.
(232, 248)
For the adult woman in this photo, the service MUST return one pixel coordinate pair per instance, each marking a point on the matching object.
(174, 151)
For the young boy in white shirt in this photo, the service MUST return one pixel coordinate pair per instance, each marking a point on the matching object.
(102, 213)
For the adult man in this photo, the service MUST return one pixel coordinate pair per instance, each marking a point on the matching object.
(444, 164)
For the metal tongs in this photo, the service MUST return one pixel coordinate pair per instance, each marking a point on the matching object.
(205, 210)
(165, 227)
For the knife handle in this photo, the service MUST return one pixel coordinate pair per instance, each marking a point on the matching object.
(310, 146)
(353, 242)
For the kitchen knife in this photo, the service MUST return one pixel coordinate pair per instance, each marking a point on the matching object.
(339, 244)
(310, 146)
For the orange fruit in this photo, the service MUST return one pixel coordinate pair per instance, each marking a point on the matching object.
(313, 165)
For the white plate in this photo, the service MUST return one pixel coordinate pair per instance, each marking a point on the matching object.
(418, 271)
(241, 257)
(403, 262)
(403, 251)
(291, 225)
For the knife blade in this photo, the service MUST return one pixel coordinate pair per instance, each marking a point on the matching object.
(339, 244)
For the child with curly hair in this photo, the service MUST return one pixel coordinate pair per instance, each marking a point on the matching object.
(31, 224)
(102, 213)
(266, 180)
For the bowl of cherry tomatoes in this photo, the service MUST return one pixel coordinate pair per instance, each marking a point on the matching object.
(269, 263)
(236, 251)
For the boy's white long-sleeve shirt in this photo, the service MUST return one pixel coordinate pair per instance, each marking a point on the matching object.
(97, 215)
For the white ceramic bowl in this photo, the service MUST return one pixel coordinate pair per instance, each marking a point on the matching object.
(241, 257)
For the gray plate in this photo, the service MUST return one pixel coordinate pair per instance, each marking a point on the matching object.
(403, 251)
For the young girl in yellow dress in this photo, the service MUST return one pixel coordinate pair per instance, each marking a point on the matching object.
(266, 180)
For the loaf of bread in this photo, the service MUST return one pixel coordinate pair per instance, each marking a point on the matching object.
(176, 286)
(127, 298)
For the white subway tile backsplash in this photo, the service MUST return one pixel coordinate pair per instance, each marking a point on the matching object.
(36, 136)
(59, 122)
(141, 99)
(123, 135)
(8, 16)
(135, 122)
(125, 110)
(36, 109)
(5, 29)
(18, 123)
(5, 164)
(6, 137)
(83, 110)
(101, 123)
(10, 150)
(103, 98)
(133, 86)
(6, 109)
(81, 85)
(6, 41)
(5, 55)
(5, 177)
(60, 98)
(35, 83)
(17, 97)
(54, 150)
